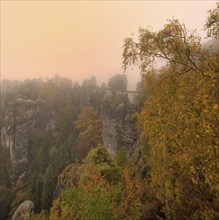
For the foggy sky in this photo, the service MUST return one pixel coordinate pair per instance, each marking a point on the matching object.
(80, 39)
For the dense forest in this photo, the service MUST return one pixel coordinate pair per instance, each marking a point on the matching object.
(71, 151)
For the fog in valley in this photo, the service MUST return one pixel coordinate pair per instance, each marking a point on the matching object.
(109, 110)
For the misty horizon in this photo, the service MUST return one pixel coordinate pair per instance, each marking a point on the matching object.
(74, 82)
(79, 40)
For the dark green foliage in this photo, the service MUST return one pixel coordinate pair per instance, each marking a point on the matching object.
(65, 119)
(122, 157)
(54, 147)
(38, 150)
(49, 183)
(35, 185)
(39, 160)
(5, 201)
(4, 178)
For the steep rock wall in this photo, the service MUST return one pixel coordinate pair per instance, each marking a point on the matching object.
(21, 117)
(118, 122)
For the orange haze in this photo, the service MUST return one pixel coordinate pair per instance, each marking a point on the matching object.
(78, 39)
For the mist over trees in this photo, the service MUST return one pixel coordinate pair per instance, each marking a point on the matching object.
(180, 117)
(52, 149)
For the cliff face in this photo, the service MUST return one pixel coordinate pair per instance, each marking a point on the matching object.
(21, 116)
(118, 121)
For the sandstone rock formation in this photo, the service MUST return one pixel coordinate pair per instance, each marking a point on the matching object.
(18, 121)
(118, 121)
(21, 116)
(23, 211)
(118, 83)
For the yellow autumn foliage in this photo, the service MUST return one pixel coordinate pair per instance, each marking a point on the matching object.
(179, 118)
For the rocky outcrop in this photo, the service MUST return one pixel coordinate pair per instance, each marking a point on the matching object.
(18, 121)
(118, 83)
(68, 178)
(24, 210)
(21, 116)
(90, 93)
(118, 121)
